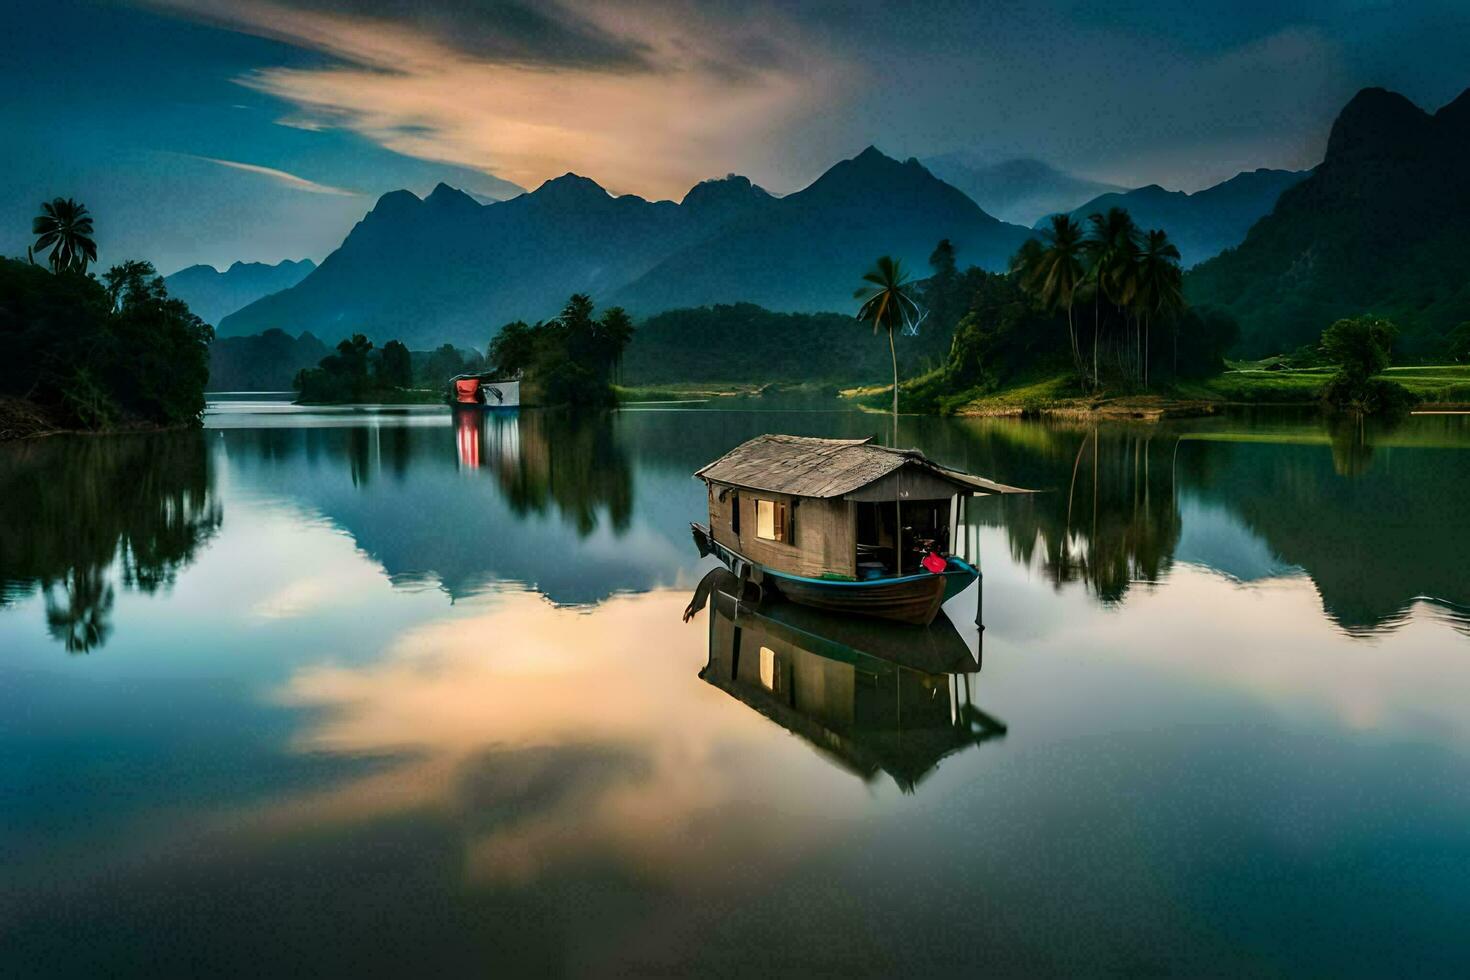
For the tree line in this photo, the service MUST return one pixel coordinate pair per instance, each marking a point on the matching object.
(1031, 322)
(84, 353)
(571, 359)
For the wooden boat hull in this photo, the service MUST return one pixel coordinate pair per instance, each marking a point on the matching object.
(914, 599)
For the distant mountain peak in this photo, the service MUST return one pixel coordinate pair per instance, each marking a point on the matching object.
(719, 191)
(1376, 122)
(445, 196)
(1456, 112)
(571, 187)
(394, 204)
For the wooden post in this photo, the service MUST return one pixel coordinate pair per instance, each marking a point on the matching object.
(954, 524)
(897, 535)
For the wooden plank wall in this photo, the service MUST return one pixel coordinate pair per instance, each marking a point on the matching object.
(825, 534)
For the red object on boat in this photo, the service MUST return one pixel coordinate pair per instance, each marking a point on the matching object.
(467, 390)
(934, 562)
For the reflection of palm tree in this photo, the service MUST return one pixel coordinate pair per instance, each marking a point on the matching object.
(887, 304)
(65, 227)
(80, 622)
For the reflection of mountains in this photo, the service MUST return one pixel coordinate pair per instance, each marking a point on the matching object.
(78, 507)
(1376, 517)
(537, 498)
(872, 696)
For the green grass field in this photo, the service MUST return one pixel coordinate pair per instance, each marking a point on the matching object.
(1440, 383)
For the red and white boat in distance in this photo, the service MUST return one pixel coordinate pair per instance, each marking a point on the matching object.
(484, 390)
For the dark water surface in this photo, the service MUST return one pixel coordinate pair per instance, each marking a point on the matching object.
(387, 693)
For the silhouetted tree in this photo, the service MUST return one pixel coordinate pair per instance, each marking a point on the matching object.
(65, 227)
(395, 367)
(887, 303)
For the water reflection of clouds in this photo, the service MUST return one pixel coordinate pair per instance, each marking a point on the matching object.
(556, 738)
(1268, 641)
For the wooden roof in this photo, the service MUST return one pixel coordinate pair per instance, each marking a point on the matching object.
(804, 466)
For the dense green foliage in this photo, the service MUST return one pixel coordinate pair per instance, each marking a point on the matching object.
(1098, 305)
(1360, 347)
(570, 360)
(434, 368)
(360, 372)
(1458, 343)
(1378, 226)
(89, 355)
(743, 342)
(1006, 338)
(1129, 278)
(264, 362)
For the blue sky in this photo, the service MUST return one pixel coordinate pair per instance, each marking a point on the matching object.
(215, 130)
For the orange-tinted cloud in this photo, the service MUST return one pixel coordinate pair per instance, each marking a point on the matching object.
(656, 100)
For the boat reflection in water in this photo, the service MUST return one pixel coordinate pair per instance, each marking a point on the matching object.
(870, 695)
(486, 438)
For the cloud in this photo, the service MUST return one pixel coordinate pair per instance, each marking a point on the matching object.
(281, 177)
(646, 99)
(525, 32)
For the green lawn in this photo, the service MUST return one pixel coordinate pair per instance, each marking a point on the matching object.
(1430, 383)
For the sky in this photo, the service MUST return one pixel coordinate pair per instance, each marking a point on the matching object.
(221, 130)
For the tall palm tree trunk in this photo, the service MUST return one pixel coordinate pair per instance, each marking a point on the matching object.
(1094, 340)
(893, 354)
(1076, 351)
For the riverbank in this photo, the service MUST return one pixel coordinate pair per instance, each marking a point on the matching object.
(703, 391)
(22, 419)
(1434, 387)
(387, 396)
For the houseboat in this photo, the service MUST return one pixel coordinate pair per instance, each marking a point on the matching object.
(884, 698)
(841, 524)
(484, 390)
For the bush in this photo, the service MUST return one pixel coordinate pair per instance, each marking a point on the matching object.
(1360, 347)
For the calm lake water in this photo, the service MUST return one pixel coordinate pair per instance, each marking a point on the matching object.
(388, 692)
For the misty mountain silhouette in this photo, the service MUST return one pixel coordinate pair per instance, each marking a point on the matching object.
(1378, 227)
(448, 268)
(212, 295)
(1207, 222)
(1020, 190)
(807, 251)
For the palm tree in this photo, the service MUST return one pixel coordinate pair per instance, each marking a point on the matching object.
(887, 303)
(1111, 247)
(1160, 283)
(65, 227)
(1052, 271)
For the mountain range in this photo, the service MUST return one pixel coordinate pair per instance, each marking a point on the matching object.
(1205, 223)
(1020, 190)
(212, 295)
(449, 268)
(1378, 227)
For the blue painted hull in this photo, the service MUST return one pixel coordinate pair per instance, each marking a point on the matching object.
(912, 599)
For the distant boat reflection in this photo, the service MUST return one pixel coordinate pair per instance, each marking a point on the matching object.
(872, 696)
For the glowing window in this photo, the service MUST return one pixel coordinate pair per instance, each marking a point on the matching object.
(768, 668)
(772, 521)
